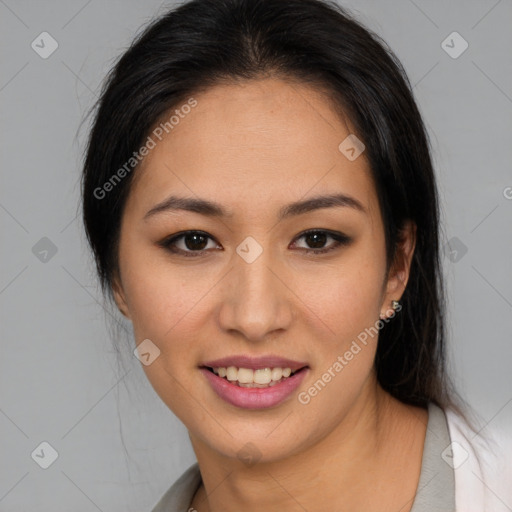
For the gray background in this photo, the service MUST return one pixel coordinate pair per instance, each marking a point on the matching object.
(60, 378)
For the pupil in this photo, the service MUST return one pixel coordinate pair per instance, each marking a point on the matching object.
(199, 241)
(316, 240)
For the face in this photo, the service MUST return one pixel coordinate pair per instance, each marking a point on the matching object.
(253, 283)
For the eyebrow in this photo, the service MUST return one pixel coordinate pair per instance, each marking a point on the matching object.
(212, 209)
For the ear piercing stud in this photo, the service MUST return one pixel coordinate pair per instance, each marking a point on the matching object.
(395, 305)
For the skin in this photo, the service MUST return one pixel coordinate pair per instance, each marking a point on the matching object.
(254, 147)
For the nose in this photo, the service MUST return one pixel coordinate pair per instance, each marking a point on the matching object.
(256, 303)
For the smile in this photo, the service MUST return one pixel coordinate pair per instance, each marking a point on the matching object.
(249, 378)
(254, 383)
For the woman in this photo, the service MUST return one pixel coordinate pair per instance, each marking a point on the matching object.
(259, 196)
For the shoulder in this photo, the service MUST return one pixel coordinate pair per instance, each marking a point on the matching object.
(481, 457)
(179, 496)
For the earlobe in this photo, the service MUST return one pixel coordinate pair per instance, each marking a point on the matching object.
(119, 298)
(400, 269)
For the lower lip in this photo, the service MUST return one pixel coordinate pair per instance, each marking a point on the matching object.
(254, 398)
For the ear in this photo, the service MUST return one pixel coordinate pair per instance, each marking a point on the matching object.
(119, 296)
(400, 268)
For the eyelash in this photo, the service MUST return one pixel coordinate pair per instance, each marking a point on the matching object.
(339, 238)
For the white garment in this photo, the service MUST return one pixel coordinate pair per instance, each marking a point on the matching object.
(482, 463)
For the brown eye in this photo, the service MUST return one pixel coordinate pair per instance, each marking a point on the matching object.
(195, 241)
(188, 243)
(317, 238)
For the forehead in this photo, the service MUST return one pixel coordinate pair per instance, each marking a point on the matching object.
(250, 144)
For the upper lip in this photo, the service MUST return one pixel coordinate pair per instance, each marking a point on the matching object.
(255, 363)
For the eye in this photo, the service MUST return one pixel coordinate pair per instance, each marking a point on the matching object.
(195, 243)
(317, 238)
(190, 241)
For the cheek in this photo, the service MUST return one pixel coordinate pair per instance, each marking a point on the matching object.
(345, 295)
(167, 307)
(159, 294)
(164, 303)
(346, 298)
(351, 308)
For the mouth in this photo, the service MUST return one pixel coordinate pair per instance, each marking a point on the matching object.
(254, 383)
(253, 378)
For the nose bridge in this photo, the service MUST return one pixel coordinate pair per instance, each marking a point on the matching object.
(256, 301)
(256, 281)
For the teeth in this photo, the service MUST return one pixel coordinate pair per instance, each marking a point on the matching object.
(245, 376)
(249, 378)
(277, 373)
(232, 373)
(263, 376)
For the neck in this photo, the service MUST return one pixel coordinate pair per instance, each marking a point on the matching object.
(356, 465)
